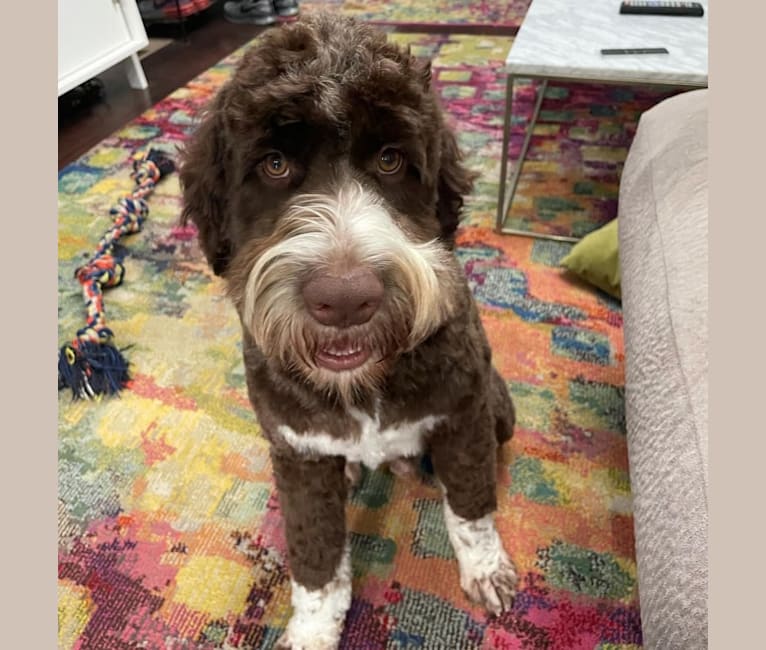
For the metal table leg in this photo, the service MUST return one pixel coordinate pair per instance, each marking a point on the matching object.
(505, 195)
(502, 208)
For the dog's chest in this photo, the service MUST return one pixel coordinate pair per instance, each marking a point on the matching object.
(372, 446)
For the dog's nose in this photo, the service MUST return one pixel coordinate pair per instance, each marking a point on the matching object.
(342, 301)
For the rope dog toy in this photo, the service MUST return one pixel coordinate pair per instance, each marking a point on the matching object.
(91, 365)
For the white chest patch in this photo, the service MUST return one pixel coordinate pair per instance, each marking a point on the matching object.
(373, 446)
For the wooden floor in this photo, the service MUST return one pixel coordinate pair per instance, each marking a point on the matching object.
(208, 38)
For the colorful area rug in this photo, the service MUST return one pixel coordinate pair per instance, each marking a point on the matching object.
(570, 180)
(169, 529)
(411, 13)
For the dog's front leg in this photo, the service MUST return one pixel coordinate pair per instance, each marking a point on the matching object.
(312, 494)
(464, 460)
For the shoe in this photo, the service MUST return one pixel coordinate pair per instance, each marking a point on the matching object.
(286, 8)
(86, 94)
(254, 12)
(167, 10)
(203, 4)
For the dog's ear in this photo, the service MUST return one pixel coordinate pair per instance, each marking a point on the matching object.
(204, 181)
(425, 73)
(453, 183)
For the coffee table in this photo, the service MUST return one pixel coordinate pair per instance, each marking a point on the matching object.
(561, 40)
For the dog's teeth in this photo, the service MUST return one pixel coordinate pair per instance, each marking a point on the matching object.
(344, 352)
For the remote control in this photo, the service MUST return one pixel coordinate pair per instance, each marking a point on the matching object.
(661, 8)
(635, 50)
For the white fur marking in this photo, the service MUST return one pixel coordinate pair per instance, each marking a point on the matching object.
(351, 223)
(487, 574)
(373, 447)
(319, 614)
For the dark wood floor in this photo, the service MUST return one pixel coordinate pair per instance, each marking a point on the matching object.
(208, 38)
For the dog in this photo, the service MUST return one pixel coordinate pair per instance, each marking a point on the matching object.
(326, 188)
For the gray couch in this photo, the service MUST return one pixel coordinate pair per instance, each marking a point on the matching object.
(663, 235)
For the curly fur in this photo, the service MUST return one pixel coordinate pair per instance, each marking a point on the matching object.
(329, 93)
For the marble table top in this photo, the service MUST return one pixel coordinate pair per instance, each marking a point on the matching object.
(562, 39)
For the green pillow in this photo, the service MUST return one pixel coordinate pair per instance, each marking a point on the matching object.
(596, 260)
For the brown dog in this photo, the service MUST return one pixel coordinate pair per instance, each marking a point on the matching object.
(327, 189)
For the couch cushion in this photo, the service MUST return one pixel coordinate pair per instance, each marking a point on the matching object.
(595, 258)
(663, 256)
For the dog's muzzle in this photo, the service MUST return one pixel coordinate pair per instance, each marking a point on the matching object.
(342, 286)
(342, 301)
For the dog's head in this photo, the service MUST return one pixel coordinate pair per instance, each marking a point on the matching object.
(327, 188)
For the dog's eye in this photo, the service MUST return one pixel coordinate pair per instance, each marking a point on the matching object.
(390, 160)
(275, 165)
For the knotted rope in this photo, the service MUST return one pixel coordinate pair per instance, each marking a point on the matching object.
(91, 365)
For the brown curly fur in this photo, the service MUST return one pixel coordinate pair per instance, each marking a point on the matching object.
(332, 92)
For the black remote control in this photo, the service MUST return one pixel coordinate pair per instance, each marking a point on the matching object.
(635, 50)
(661, 8)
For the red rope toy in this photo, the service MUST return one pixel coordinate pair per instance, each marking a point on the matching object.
(91, 365)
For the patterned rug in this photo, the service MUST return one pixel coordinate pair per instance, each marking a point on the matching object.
(570, 180)
(169, 530)
(453, 13)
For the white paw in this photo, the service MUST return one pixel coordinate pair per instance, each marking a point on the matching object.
(494, 588)
(286, 642)
(319, 614)
(487, 575)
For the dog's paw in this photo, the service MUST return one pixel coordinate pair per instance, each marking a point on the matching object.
(288, 642)
(353, 475)
(487, 575)
(404, 467)
(311, 633)
(319, 614)
(492, 587)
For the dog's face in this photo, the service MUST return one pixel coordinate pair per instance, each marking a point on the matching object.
(327, 189)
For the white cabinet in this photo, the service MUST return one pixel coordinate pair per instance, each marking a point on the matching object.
(95, 35)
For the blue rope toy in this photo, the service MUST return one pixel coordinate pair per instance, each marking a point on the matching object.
(90, 365)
